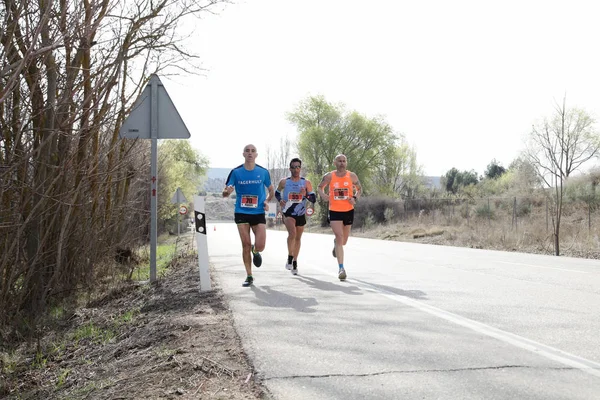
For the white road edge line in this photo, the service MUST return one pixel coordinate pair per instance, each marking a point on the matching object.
(588, 366)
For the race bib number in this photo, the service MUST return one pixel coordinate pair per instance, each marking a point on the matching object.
(295, 197)
(341, 194)
(249, 201)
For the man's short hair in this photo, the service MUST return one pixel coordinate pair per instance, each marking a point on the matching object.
(297, 160)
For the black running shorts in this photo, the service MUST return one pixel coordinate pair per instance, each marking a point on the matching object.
(346, 216)
(300, 219)
(252, 219)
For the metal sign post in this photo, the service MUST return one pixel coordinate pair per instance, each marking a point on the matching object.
(178, 198)
(154, 117)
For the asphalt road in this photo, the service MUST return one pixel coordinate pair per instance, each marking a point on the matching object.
(414, 321)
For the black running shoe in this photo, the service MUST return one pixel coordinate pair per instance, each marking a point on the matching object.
(256, 258)
(248, 282)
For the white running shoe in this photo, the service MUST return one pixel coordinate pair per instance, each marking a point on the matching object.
(295, 271)
(288, 266)
(342, 274)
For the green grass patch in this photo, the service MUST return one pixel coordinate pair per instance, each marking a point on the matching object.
(62, 377)
(128, 316)
(9, 363)
(40, 361)
(165, 250)
(57, 312)
(93, 333)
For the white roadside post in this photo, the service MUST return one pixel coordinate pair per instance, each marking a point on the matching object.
(201, 242)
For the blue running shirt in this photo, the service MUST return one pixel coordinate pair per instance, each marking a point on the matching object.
(295, 203)
(249, 188)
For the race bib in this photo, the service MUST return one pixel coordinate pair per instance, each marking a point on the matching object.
(249, 201)
(341, 194)
(295, 197)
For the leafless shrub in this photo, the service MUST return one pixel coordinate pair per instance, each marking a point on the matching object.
(71, 191)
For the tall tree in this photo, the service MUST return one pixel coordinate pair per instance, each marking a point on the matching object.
(557, 147)
(399, 174)
(326, 130)
(494, 170)
(179, 166)
(319, 126)
(454, 180)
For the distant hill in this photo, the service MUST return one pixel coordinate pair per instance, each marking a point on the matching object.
(433, 182)
(215, 179)
(218, 173)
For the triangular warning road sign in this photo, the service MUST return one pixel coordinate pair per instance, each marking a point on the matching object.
(138, 123)
(178, 197)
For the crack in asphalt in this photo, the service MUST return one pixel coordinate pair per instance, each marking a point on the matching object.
(498, 367)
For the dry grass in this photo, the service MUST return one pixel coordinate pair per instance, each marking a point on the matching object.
(530, 235)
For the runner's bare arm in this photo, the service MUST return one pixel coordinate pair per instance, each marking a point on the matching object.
(269, 197)
(310, 195)
(279, 190)
(357, 185)
(324, 182)
(271, 193)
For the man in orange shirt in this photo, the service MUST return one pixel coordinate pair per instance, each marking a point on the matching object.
(344, 190)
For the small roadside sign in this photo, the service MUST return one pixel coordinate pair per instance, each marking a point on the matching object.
(272, 210)
(183, 210)
(310, 211)
(178, 197)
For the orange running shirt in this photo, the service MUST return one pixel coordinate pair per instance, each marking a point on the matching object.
(340, 192)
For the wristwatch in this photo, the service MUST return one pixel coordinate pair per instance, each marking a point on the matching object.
(354, 197)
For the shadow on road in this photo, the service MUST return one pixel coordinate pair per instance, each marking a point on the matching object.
(323, 285)
(413, 294)
(265, 296)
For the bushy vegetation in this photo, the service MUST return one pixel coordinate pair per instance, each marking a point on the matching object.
(71, 190)
(372, 210)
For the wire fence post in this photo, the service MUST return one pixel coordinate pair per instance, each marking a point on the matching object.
(546, 215)
(589, 218)
(514, 219)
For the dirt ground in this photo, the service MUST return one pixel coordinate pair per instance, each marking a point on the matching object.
(140, 341)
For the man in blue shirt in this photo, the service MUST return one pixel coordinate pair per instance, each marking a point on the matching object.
(249, 181)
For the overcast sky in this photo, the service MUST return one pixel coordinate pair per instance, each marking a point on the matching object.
(462, 80)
